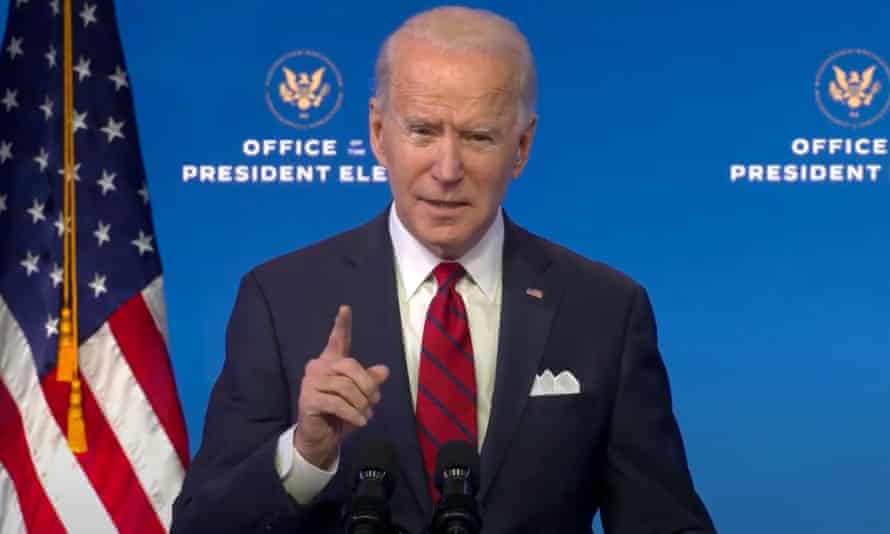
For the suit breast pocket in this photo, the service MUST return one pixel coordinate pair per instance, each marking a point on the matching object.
(563, 417)
(549, 402)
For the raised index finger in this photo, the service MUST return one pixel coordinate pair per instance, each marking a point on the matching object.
(340, 340)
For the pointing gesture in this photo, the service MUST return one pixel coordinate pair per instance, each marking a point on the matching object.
(337, 395)
(340, 340)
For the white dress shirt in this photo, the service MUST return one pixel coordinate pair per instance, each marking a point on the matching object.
(481, 291)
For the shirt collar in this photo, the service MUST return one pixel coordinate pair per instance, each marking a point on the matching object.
(415, 262)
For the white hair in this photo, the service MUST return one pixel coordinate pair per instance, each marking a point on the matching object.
(461, 29)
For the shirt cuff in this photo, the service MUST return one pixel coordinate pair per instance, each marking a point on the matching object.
(302, 480)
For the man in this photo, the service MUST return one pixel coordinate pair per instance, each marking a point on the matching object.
(450, 321)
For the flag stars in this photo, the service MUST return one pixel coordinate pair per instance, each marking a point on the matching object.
(76, 172)
(119, 78)
(98, 284)
(42, 159)
(20, 3)
(10, 99)
(5, 151)
(113, 129)
(15, 47)
(36, 211)
(143, 192)
(83, 68)
(102, 232)
(47, 108)
(3, 203)
(56, 275)
(30, 264)
(143, 243)
(80, 121)
(88, 14)
(60, 224)
(54, 5)
(51, 56)
(52, 326)
(107, 182)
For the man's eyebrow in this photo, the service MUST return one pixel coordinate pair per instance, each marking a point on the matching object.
(413, 121)
(417, 120)
(486, 130)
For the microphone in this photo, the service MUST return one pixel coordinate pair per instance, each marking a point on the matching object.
(374, 481)
(457, 479)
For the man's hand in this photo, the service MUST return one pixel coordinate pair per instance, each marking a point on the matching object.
(337, 395)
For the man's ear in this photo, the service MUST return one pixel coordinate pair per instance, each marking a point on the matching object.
(375, 128)
(525, 145)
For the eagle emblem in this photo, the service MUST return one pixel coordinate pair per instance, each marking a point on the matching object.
(854, 89)
(302, 89)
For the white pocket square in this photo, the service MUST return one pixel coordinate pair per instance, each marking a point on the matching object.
(564, 383)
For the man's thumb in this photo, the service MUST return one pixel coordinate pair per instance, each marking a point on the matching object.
(379, 373)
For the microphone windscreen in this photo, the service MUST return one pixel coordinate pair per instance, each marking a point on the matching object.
(378, 454)
(459, 454)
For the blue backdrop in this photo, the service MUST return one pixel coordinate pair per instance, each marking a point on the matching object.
(772, 297)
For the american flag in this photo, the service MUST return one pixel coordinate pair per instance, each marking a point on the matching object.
(137, 447)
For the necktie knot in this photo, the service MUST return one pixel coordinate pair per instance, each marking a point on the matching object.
(448, 273)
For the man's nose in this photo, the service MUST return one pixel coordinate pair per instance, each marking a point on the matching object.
(448, 167)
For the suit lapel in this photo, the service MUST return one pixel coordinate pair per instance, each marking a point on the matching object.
(525, 324)
(377, 328)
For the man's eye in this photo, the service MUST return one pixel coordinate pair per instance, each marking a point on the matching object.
(421, 131)
(480, 138)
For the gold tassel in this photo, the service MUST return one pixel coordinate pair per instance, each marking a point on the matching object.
(67, 348)
(77, 434)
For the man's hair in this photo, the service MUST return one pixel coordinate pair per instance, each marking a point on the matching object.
(461, 29)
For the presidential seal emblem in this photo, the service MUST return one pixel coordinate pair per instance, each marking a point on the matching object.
(304, 89)
(853, 88)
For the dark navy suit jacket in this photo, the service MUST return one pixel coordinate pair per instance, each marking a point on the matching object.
(548, 462)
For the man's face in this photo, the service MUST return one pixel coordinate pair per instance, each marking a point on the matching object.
(449, 137)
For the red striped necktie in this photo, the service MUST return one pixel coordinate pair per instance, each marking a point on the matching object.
(446, 390)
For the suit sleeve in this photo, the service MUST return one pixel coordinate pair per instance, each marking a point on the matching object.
(648, 485)
(232, 484)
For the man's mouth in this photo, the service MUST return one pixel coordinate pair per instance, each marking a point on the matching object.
(445, 203)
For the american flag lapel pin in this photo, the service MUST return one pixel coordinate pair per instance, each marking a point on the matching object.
(533, 292)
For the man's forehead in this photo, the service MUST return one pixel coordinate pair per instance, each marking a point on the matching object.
(429, 93)
(430, 104)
